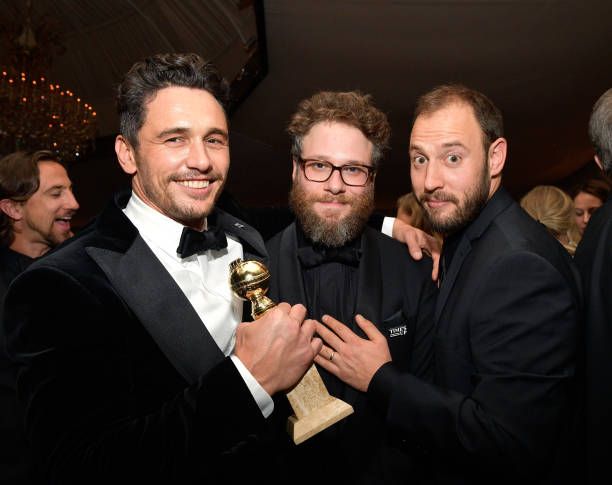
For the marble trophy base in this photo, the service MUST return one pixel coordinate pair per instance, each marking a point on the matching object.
(315, 409)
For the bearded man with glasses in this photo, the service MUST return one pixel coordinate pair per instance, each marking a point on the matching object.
(341, 269)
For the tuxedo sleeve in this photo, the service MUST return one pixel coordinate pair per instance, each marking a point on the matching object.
(522, 338)
(79, 388)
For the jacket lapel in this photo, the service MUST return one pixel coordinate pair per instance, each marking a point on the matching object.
(463, 250)
(369, 293)
(155, 299)
(499, 202)
(290, 282)
(369, 297)
(252, 243)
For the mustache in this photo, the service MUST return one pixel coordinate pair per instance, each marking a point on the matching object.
(195, 175)
(342, 198)
(66, 214)
(438, 196)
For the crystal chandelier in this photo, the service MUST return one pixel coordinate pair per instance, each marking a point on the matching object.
(36, 113)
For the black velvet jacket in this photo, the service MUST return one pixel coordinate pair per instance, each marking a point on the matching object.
(120, 379)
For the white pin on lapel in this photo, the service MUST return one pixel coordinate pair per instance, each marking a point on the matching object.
(398, 331)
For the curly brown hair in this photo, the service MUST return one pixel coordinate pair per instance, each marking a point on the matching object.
(352, 108)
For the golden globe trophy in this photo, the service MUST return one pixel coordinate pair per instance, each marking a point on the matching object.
(313, 407)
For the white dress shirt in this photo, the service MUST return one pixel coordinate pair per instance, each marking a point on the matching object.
(204, 279)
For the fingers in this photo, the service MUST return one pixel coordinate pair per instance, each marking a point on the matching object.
(298, 312)
(327, 352)
(284, 307)
(436, 266)
(369, 328)
(308, 328)
(414, 245)
(434, 246)
(316, 344)
(339, 328)
(327, 364)
(328, 337)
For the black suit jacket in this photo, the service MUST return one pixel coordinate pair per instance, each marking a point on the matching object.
(395, 293)
(13, 467)
(120, 378)
(594, 261)
(505, 349)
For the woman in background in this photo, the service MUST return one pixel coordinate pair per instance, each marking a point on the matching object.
(555, 209)
(588, 197)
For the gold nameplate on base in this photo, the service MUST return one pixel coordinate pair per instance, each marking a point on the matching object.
(313, 407)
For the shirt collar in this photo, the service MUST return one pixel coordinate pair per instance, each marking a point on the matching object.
(154, 226)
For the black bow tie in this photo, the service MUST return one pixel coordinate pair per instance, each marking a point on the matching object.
(311, 256)
(193, 241)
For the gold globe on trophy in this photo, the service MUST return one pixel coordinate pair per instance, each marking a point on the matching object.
(313, 407)
(249, 281)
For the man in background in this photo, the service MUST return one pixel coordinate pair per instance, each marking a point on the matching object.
(594, 260)
(36, 207)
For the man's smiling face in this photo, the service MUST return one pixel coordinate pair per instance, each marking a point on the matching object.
(182, 158)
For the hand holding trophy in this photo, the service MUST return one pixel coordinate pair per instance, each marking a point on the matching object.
(314, 408)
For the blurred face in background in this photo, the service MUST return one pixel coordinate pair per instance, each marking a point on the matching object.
(45, 217)
(585, 205)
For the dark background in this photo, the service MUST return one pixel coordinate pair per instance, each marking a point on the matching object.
(543, 62)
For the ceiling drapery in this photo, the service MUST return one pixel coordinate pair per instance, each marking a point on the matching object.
(102, 39)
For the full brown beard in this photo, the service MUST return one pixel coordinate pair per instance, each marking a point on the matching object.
(466, 211)
(328, 231)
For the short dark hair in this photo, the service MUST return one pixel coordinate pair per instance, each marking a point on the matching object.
(19, 180)
(488, 115)
(600, 130)
(352, 108)
(160, 71)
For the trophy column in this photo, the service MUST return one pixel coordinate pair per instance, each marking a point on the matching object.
(313, 407)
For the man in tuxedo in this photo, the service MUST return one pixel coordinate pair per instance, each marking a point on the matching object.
(594, 260)
(330, 260)
(36, 206)
(134, 364)
(501, 407)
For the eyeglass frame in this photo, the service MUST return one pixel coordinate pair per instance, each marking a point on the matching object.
(371, 170)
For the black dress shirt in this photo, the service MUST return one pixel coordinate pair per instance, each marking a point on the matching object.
(331, 287)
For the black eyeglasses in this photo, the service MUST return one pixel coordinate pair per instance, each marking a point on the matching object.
(321, 170)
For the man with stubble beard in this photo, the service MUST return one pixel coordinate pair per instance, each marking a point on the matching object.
(503, 401)
(333, 263)
(149, 376)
